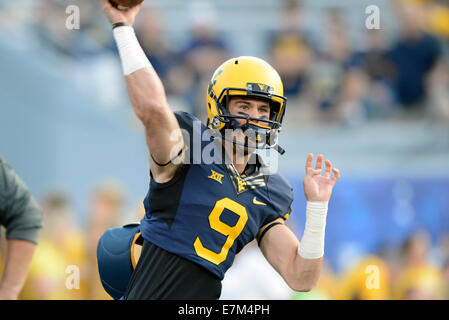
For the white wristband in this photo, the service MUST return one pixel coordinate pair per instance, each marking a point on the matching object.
(312, 242)
(131, 54)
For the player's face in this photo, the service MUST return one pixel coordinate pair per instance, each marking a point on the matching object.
(253, 108)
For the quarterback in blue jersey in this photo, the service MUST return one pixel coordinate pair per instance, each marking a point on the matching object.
(210, 193)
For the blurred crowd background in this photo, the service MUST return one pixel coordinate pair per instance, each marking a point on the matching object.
(374, 101)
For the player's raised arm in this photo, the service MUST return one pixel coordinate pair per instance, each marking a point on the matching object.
(146, 92)
(299, 263)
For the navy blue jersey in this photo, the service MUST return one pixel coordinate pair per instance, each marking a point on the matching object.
(208, 212)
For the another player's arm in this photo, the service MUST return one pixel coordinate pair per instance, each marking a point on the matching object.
(300, 263)
(22, 218)
(19, 254)
(147, 95)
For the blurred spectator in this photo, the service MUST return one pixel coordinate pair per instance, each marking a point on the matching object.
(441, 257)
(415, 55)
(290, 50)
(328, 77)
(441, 253)
(50, 26)
(368, 279)
(438, 84)
(351, 104)
(419, 278)
(198, 60)
(151, 34)
(62, 245)
(438, 18)
(372, 72)
(446, 280)
(106, 210)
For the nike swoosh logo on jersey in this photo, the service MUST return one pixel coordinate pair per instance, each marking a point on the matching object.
(255, 201)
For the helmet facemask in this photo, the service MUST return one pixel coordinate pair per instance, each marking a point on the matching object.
(258, 133)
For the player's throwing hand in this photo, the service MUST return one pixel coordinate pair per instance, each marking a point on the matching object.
(115, 15)
(319, 187)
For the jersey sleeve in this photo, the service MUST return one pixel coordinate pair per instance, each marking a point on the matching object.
(191, 129)
(20, 214)
(280, 193)
(197, 140)
(162, 199)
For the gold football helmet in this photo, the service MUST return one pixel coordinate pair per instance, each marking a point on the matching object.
(250, 77)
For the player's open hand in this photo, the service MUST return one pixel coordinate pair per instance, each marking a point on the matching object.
(115, 15)
(318, 187)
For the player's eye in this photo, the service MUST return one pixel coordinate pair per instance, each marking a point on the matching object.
(264, 111)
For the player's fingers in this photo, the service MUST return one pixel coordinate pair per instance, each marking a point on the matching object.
(336, 174)
(313, 172)
(319, 162)
(328, 165)
(309, 162)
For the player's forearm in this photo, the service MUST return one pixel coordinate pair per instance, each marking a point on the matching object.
(147, 95)
(310, 253)
(145, 88)
(306, 273)
(280, 246)
(17, 264)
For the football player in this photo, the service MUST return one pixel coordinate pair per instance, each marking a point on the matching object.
(201, 213)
